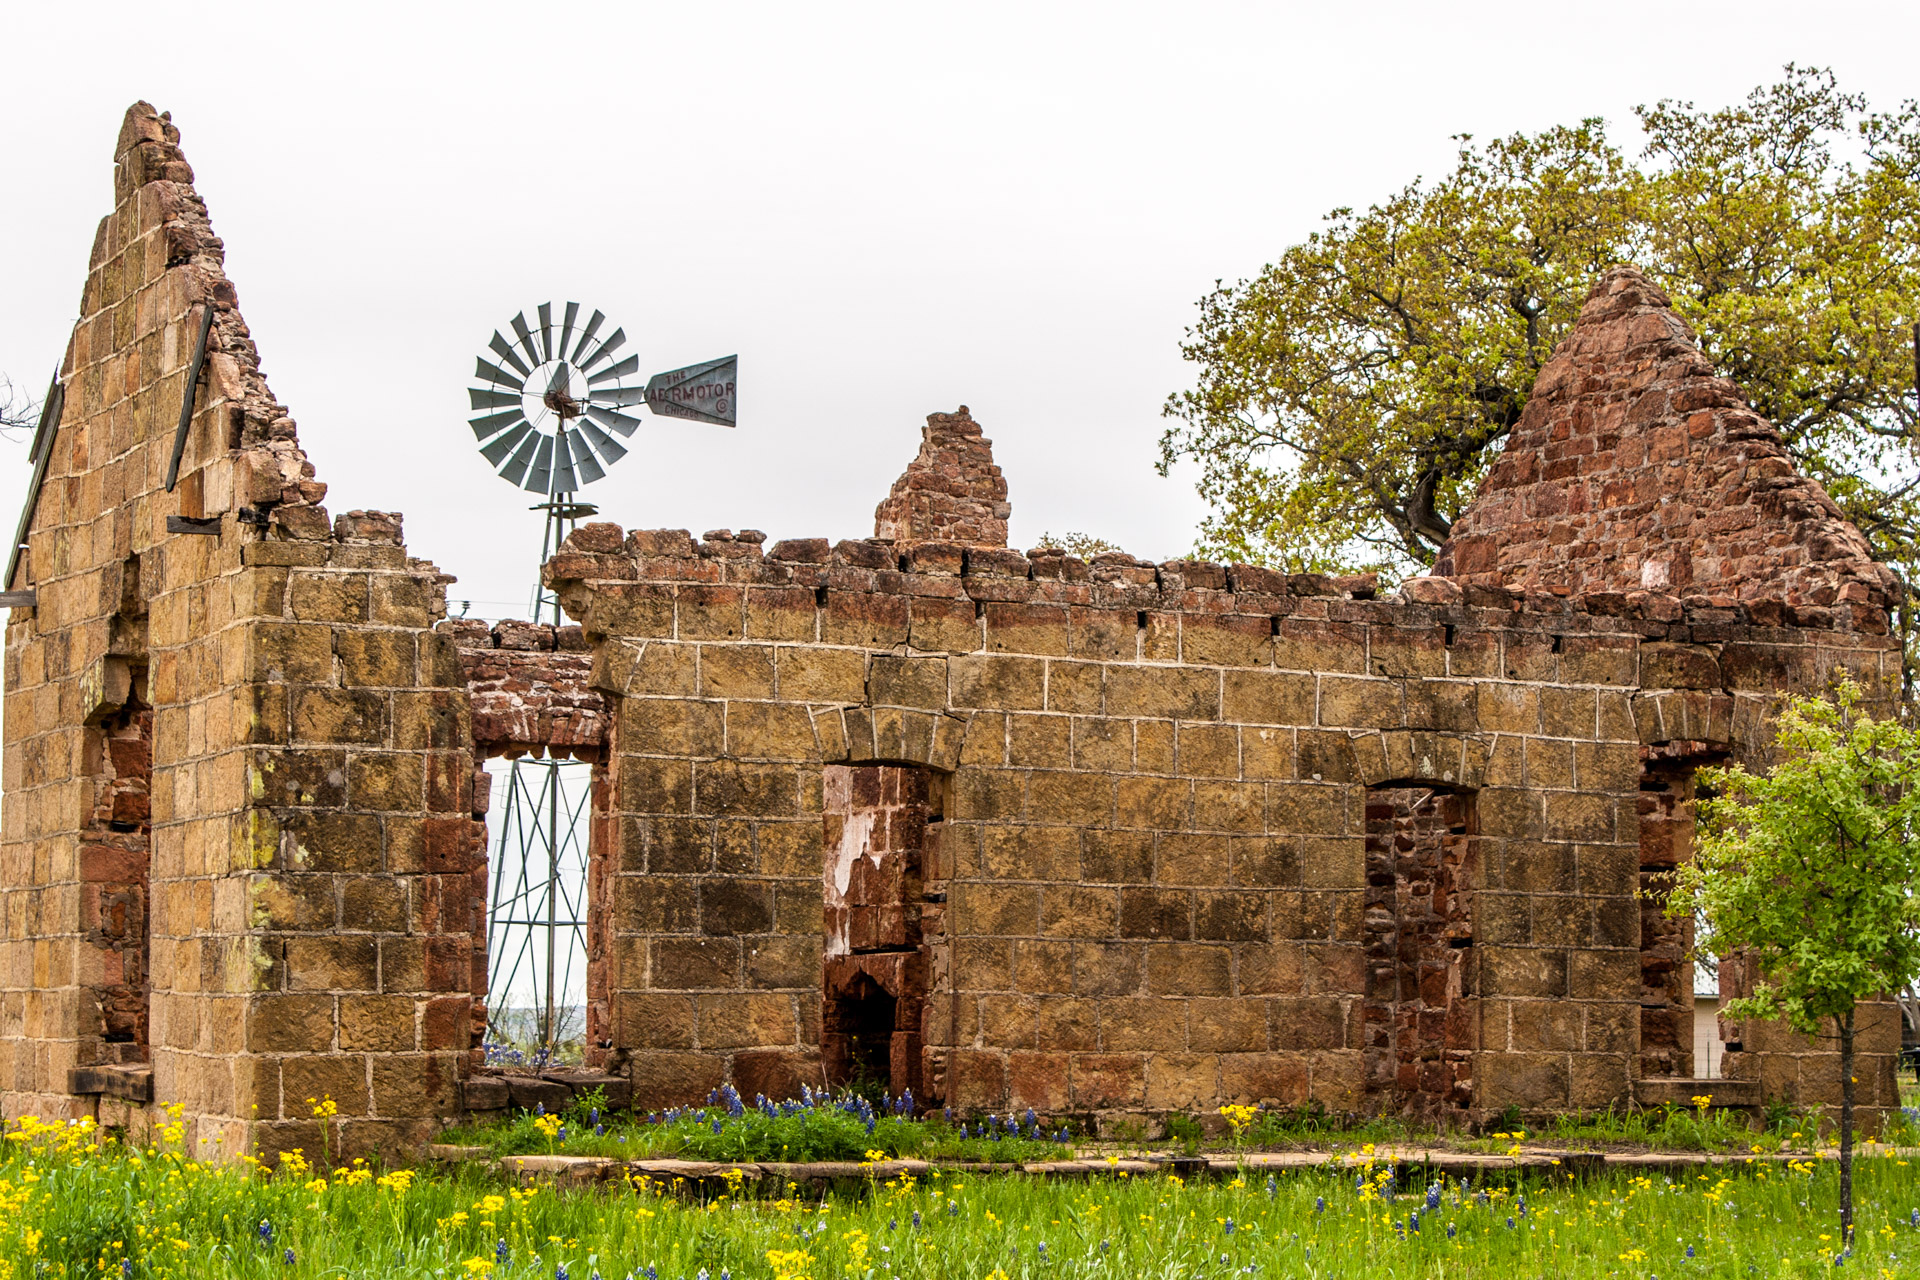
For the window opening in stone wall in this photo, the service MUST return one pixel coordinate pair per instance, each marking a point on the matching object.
(875, 974)
(115, 866)
(1676, 1024)
(1419, 928)
(536, 928)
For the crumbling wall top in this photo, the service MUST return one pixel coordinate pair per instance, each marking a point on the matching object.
(1633, 467)
(950, 492)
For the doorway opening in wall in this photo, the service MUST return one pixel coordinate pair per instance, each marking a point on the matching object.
(115, 866)
(1679, 1027)
(881, 825)
(540, 820)
(1419, 929)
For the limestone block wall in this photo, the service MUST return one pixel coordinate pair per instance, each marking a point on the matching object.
(288, 916)
(1152, 865)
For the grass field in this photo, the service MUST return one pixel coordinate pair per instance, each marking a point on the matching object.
(73, 1203)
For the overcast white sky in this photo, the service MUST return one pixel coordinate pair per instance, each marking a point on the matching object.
(885, 209)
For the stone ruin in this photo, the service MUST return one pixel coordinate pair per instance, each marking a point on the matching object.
(1107, 838)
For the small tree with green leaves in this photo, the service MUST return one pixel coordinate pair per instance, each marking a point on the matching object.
(1807, 872)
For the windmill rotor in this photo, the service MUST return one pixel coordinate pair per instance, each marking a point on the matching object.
(546, 395)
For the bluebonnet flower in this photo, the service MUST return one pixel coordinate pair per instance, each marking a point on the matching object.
(916, 1217)
(948, 1112)
(560, 1134)
(289, 1258)
(539, 1108)
(1103, 1246)
(599, 1131)
(126, 1268)
(716, 1126)
(701, 1274)
(1273, 1186)
(1689, 1251)
(1413, 1222)
(500, 1253)
(1433, 1195)
(1043, 1248)
(952, 1208)
(1450, 1230)
(593, 1116)
(1031, 1119)
(1319, 1202)
(1509, 1224)
(651, 1273)
(1229, 1226)
(1521, 1206)
(266, 1232)
(892, 1223)
(560, 1272)
(1359, 1182)
(1913, 1219)
(906, 1103)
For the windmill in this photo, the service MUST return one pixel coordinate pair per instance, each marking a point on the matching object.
(553, 404)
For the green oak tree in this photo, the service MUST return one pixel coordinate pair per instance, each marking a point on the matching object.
(1349, 397)
(1807, 873)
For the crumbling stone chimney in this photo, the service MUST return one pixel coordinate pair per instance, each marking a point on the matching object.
(951, 492)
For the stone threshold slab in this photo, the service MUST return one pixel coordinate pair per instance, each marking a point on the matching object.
(588, 1170)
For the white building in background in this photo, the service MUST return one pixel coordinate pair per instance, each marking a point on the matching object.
(1707, 1047)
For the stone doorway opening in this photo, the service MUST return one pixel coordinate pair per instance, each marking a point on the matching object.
(1419, 926)
(1669, 794)
(880, 822)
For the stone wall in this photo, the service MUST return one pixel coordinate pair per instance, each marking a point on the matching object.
(1153, 859)
(238, 820)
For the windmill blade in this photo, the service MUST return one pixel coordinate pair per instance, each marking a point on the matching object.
(587, 466)
(511, 358)
(620, 370)
(484, 427)
(610, 449)
(495, 374)
(622, 395)
(546, 331)
(492, 399)
(564, 480)
(614, 342)
(526, 338)
(612, 418)
(496, 453)
(586, 335)
(537, 479)
(566, 327)
(516, 469)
